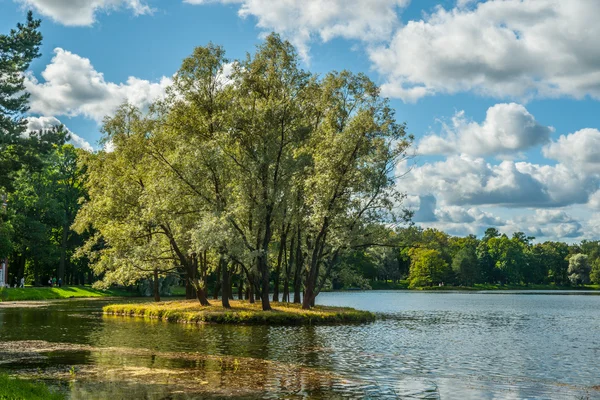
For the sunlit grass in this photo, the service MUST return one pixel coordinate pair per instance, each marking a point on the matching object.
(190, 311)
(49, 293)
(20, 389)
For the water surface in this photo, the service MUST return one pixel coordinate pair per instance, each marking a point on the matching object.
(494, 345)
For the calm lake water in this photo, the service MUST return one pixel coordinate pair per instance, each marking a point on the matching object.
(428, 345)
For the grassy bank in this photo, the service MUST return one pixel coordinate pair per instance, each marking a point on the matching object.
(20, 389)
(241, 312)
(49, 293)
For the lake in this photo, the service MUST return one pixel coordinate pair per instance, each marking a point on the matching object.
(496, 345)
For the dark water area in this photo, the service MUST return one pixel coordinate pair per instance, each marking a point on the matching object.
(497, 345)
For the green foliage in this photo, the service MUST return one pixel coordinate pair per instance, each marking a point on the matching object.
(17, 49)
(595, 274)
(40, 210)
(427, 268)
(21, 389)
(579, 269)
(465, 266)
(241, 169)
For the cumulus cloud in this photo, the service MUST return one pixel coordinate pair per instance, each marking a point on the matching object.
(44, 123)
(73, 87)
(508, 128)
(83, 12)
(501, 48)
(550, 224)
(465, 180)
(301, 21)
(461, 221)
(579, 150)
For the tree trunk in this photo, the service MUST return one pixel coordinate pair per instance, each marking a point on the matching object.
(288, 270)
(250, 293)
(156, 286)
(241, 289)
(263, 267)
(297, 272)
(218, 282)
(225, 286)
(201, 296)
(63, 253)
(199, 283)
(278, 268)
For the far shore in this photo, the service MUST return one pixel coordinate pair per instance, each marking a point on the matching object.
(37, 294)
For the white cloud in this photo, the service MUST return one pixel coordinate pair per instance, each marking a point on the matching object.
(301, 21)
(73, 87)
(83, 12)
(594, 201)
(464, 180)
(44, 123)
(579, 150)
(508, 128)
(501, 48)
(549, 224)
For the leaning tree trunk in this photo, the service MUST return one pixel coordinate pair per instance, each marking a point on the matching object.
(199, 284)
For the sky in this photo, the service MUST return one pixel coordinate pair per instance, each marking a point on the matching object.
(501, 95)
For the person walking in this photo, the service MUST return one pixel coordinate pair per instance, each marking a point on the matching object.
(54, 281)
(22, 283)
(59, 282)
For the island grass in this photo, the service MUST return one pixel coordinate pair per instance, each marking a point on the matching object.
(20, 389)
(241, 312)
(50, 293)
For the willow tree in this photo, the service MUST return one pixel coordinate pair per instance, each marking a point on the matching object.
(187, 144)
(270, 103)
(354, 149)
(265, 166)
(140, 220)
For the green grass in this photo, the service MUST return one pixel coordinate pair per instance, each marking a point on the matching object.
(241, 312)
(65, 292)
(20, 389)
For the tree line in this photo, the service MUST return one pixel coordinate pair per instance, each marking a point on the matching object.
(429, 257)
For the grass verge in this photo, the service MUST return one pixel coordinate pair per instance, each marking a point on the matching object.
(50, 293)
(20, 389)
(241, 312)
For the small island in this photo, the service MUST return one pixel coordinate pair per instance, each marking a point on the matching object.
(241, 312)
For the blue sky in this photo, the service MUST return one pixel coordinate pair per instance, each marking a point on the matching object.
(502, 95)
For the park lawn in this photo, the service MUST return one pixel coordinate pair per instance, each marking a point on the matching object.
(65, 292)
(21, 389)
(241, 312)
